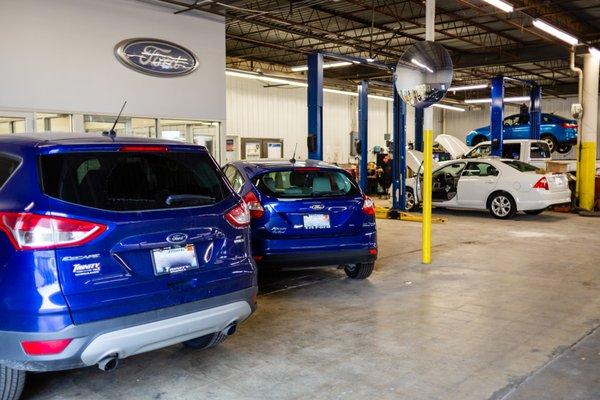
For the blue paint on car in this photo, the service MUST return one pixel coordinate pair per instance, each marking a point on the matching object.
(560, 133)
(307, 213)
(87, 221)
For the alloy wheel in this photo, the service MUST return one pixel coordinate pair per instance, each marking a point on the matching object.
(501, 206)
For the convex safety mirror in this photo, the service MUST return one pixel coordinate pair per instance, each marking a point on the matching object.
(424, 74)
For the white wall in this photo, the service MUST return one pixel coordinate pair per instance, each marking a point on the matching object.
(58, 56)
(257, 111)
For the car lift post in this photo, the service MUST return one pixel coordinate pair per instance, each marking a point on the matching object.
(497, 115)
(363, 132)
(399, 153)
(497, 112)
(419, 129)
(315, 106)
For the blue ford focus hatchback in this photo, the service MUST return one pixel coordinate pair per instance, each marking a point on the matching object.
(306, 214)
(111, 247)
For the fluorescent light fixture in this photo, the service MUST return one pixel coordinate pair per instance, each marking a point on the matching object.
(557, 33)
(595, 52)
(271, 79)
(504, 6)
(336, 91)
(447, 107)
(420, 64)
(468, 87)
(300, 68)
(517, 99)
(370, 59)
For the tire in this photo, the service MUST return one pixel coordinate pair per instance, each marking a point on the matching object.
(12, 382)
(478, 139)
(534, 212)
(564, 148)
(359, 271)
(206, 342)
(411, 202)
(501, 205)
(551, 142)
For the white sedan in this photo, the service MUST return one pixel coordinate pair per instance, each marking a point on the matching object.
(501, 186)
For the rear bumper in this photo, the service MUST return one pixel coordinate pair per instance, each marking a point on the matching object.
(545, 200)
(316, 259)
(316, 252)
(126, 336)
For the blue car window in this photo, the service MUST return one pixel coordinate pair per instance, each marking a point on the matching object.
(306, 183)
(8, 166)
(132, 181)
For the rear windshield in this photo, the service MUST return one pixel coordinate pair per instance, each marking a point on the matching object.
(540, 150)
(521, 166)
(306, 183)
(7, 167)
(133, 181)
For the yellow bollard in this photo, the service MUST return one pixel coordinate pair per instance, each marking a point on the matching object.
(427, 189)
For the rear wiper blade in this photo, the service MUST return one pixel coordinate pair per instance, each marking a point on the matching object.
(184, 198)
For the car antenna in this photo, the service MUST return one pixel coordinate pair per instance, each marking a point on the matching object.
(293, 159)
(112, 133)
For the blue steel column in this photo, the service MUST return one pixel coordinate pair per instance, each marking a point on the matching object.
(315, 103)
(535, 112)
(363, 132)
(399, 161)
(419, 128)
(497, 115)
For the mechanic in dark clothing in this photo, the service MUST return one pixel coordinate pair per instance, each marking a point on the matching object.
(385, 178)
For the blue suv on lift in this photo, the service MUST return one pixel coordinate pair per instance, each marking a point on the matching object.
(559, 133)
(111, 247)
(306, 214)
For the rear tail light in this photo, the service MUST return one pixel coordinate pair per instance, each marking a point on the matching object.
(137, 149)
(239, 216)
(306, 169)
(368, 206)
(29, 231)
(256, 209)
(542, 184)
(567, 125)
(45, 347)
(373, 252)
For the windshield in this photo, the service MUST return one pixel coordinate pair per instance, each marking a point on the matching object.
(133, 181)
(521, 166)
(306, 183)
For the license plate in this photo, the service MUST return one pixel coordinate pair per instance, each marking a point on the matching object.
(316, 221)
(174, 260)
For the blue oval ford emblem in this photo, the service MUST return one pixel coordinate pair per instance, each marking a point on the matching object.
(156, 57)
(177, 238)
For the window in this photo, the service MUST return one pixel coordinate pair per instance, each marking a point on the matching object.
(480, 169)
(11, 125)
(234, 177)
(203, 133)
(306, 183)
(481, 151)
(452, 169)
(53, 122)
(513, 120)
(133, 181)
(521, 166)
(539, 150)
(102, 123)
(8, 166)
(511, 150)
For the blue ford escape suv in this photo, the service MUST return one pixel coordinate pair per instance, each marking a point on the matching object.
(307, 214)
(111, 247)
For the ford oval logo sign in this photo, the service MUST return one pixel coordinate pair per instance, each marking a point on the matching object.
(156, 57)
(177, 238)
(317, 207)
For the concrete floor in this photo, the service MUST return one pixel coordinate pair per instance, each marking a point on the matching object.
(507, 310)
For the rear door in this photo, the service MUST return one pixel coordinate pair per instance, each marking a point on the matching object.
(477, 181)
(167, 241)
(311, 202)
